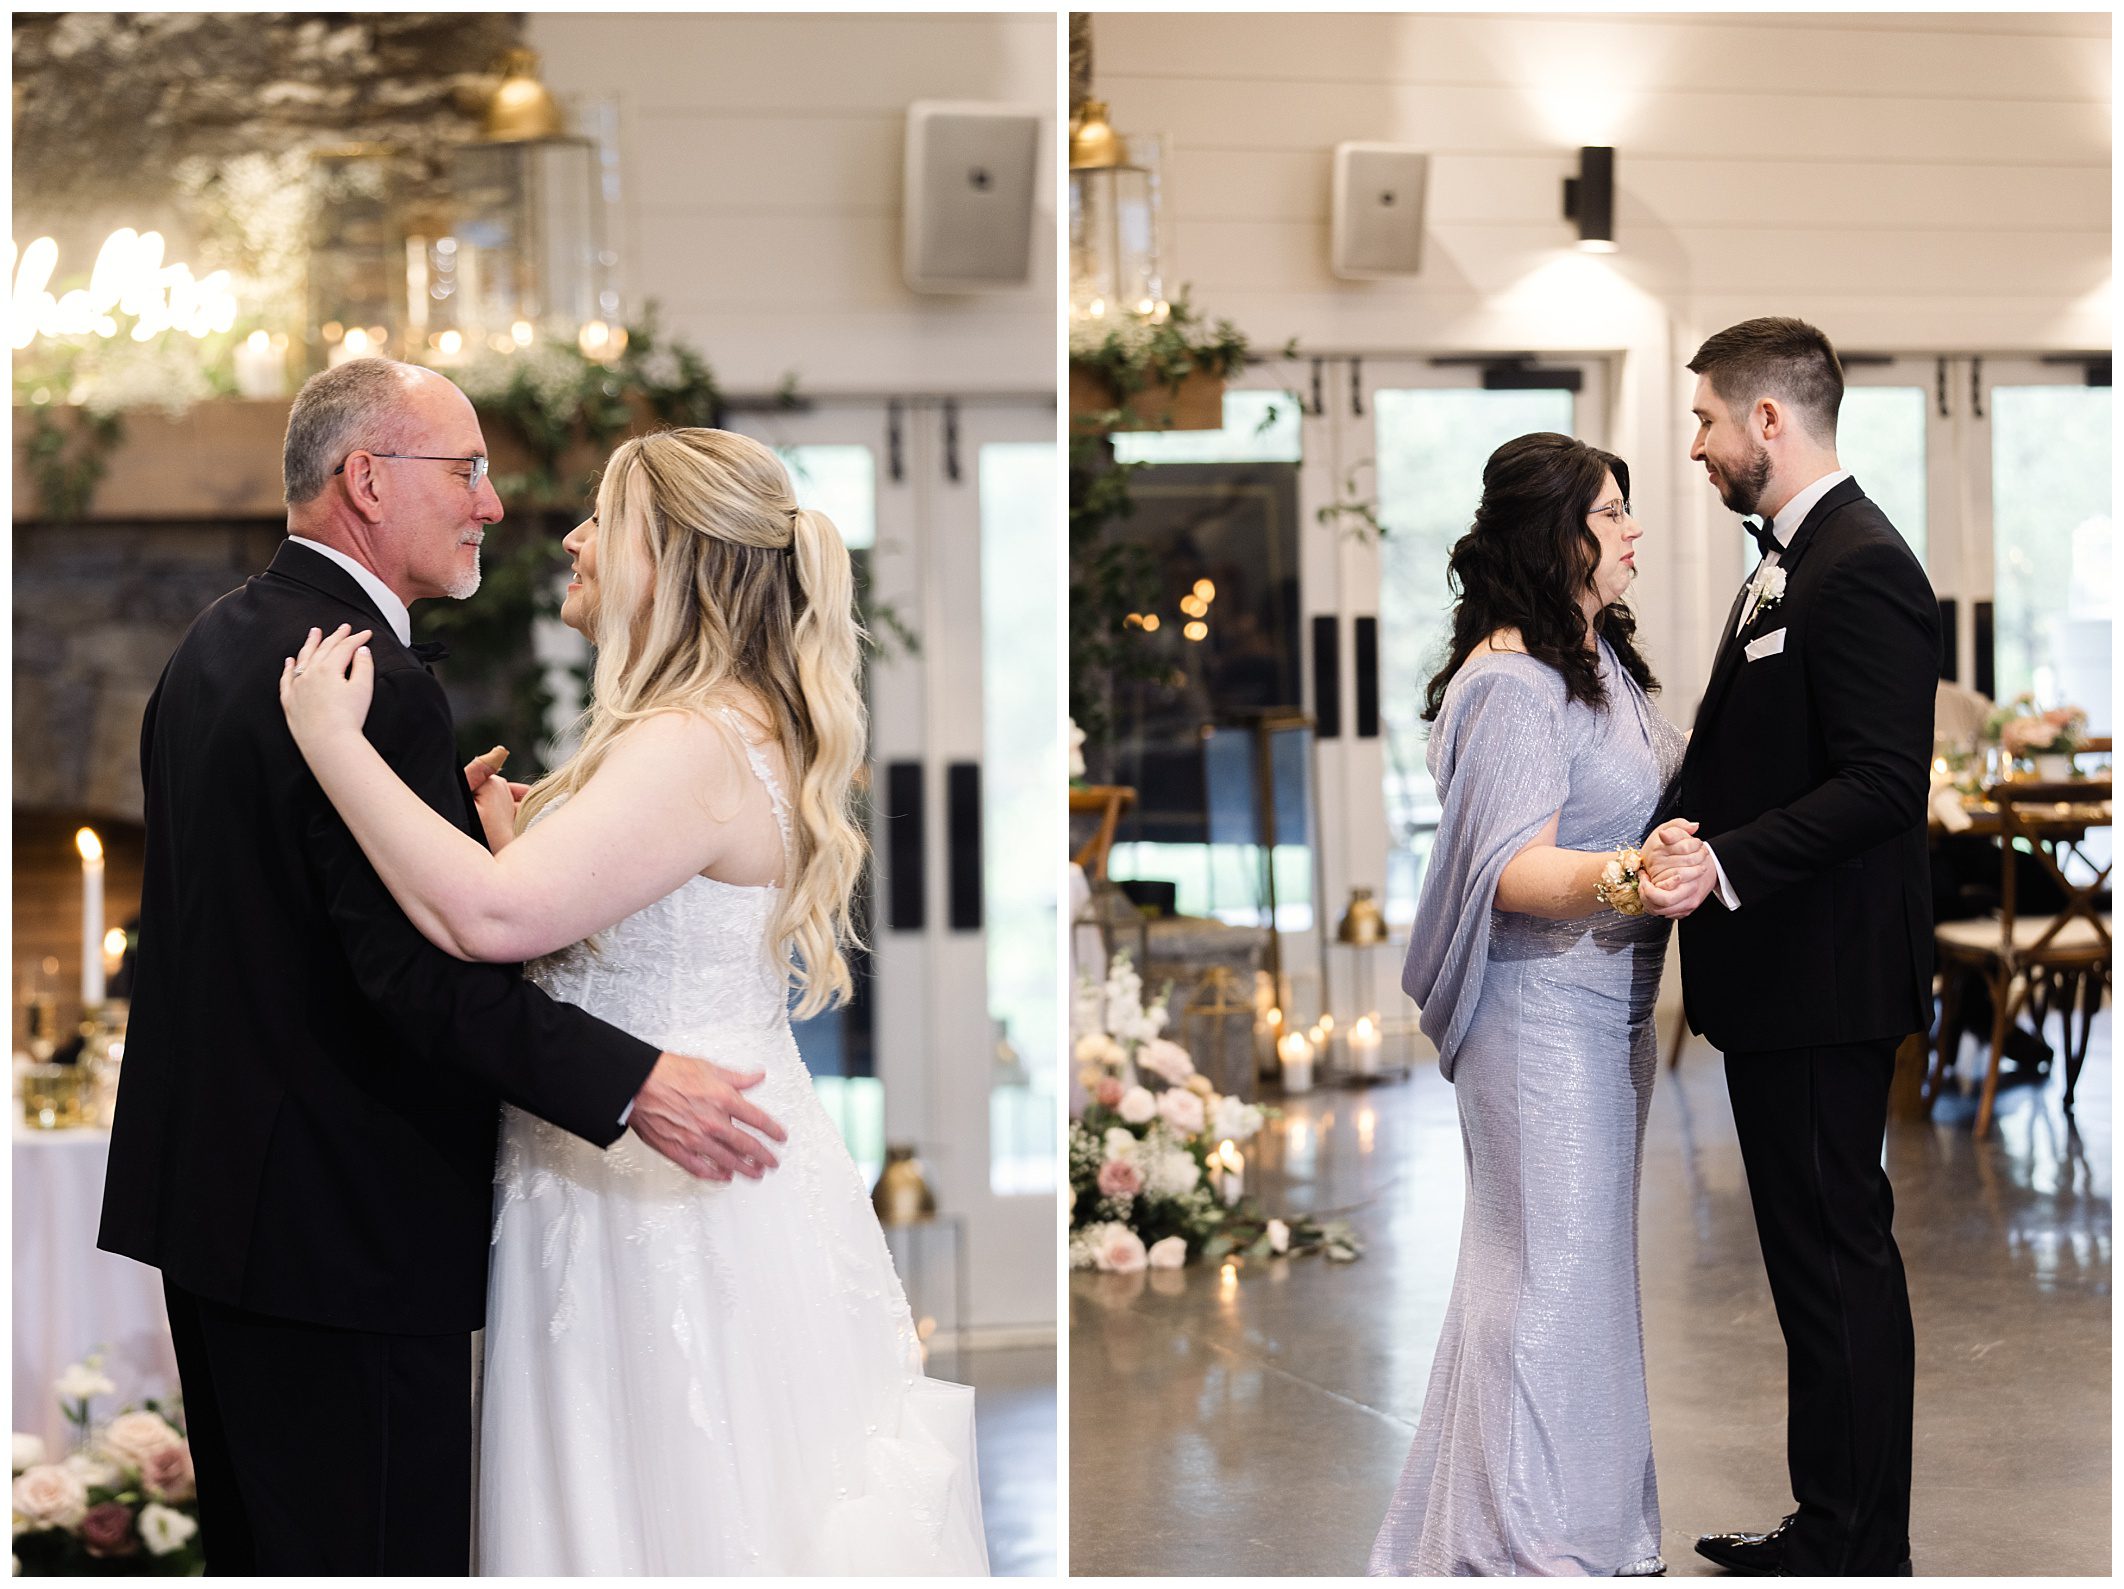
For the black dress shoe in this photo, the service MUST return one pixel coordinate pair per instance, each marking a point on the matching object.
(1760, 1554)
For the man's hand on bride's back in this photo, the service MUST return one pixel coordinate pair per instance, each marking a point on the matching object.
(696, 1115)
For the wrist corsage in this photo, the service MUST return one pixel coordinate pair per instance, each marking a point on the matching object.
(1617, 885)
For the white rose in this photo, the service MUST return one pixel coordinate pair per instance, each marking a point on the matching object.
(1096, 1048)
(29, 1451)
(1170, 1253)
(133, 1435)
(1231, 1118)
(1279, 1235)
(1121, 1251)
(82, 1381)
(49, 1497)
(94, 1469)
(1181, 1110)
(163, 1529)
(1119, 1142)
(1172, 1173)
(1138, 1106)
(1167, 1060)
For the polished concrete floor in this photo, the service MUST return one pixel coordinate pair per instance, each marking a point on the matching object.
(1254, 1423)
(1014, 1439)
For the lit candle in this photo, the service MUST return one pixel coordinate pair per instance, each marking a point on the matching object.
(113, 951)
(261, 368)
(1296, 1055)
(1234, 1172)
(91, 849)
(355, 345)
(1364, 1047)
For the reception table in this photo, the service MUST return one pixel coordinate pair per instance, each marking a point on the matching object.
(70, 1299)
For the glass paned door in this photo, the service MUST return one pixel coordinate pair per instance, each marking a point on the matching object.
(2054, 581)
(1021, 627)
(1881, 438)
(950, 512)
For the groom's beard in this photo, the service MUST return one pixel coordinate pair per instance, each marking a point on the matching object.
(1743, 493)
(465, 584)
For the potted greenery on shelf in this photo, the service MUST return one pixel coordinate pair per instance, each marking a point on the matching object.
(1154, 372)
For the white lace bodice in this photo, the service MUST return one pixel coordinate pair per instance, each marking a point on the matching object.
(697, 960)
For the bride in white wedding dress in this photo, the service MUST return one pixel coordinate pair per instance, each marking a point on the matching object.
(681, 1375)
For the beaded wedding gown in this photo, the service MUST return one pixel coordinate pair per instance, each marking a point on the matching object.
(687, 1376)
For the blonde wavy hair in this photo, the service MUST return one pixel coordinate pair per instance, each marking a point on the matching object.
(715, 585)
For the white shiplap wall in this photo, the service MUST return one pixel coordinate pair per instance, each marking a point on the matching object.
(762, 177)
(1909, 183)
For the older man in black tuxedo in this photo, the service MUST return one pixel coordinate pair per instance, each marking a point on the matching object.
(1807, 775)
(305, 1132)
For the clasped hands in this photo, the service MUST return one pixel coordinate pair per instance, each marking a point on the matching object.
(1674, 870)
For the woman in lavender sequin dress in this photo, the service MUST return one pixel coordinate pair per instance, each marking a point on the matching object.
(1533, 1452)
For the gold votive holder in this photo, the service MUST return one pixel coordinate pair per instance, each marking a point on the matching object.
(58, 1097)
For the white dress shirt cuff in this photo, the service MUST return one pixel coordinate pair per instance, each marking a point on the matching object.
(1726, 895)
(624, 1113)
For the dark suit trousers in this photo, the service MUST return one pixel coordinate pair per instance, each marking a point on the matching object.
(323, 1451)
(1811, 1122)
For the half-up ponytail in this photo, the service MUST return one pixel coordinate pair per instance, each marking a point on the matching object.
(721, 592)
(830, 847)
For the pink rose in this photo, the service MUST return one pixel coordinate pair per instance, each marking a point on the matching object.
(1121, 1252)
(108, 1530)
(1166, 1059)
(1170, 1253)
(167, 1473)
(132, 1436)
(48, 1496)
(1119, 1178)
(1109, 1092)
(1182, 1110)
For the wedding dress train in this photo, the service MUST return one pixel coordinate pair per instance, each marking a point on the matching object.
(685, 1376)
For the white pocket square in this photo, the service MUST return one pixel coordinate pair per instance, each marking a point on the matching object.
(1768, 645)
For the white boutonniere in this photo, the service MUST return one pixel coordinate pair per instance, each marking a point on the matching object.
(1769, 591)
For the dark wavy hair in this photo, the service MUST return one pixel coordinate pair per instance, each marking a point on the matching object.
(1526, 559)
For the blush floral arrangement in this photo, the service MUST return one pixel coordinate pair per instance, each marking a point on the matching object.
(1155, 1170)
(2024, 733)
(124, 1501)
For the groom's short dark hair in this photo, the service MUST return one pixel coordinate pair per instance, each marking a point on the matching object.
(1776, 357)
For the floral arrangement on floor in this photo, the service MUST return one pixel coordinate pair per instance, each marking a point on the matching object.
(124, 1501)
(2023, 732)
(1151, 1182)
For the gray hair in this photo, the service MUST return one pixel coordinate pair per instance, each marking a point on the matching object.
(360, 404)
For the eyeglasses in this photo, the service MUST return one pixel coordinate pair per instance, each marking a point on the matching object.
(479, 465)
(1613, 512)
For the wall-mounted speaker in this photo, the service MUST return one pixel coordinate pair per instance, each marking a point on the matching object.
(968, 200)
(1378, 216)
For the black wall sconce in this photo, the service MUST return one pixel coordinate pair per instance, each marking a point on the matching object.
(1589, 199)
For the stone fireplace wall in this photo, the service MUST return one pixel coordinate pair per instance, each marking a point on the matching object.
(98, 608)
(106, 107)
(108, 103)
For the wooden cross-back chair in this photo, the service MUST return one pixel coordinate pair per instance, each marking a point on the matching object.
(2046, 964)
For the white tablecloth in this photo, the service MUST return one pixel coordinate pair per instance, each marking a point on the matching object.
(70, 1299)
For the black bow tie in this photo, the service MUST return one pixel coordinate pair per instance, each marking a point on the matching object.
(429, 652)
(1765, 539)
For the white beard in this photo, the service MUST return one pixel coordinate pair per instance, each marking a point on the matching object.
(465, 584)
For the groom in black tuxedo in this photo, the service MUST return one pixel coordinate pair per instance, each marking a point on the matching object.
(305, 1132)
(1807, 775)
